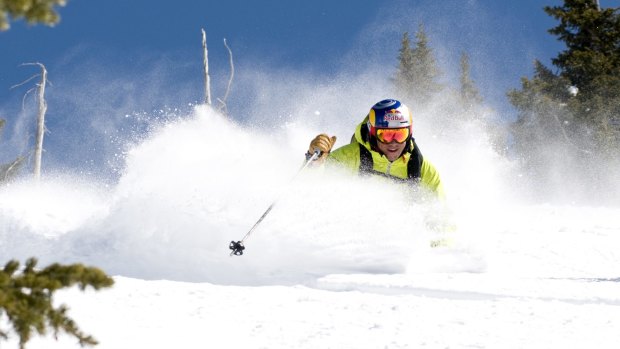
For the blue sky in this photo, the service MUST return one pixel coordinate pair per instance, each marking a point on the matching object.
(293, 34)
(122, 57)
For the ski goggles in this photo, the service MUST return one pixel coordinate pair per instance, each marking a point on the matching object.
(387, 135)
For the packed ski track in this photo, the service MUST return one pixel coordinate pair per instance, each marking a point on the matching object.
(337, 263)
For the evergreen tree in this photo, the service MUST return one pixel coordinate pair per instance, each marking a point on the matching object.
(26, 298)
(404, 80)
(425, 70)
(591, 63)
(570, 117)
(39, 11)
(592, 38)
(417, 74)
(470, 97)
(588, 82)
(544, 116)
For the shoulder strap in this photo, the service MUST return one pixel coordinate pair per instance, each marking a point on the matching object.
(414, 166)
(366, 163)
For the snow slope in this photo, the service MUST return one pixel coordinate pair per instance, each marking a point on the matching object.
(338, 263)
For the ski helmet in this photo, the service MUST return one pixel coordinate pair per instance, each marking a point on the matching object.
(389, 113)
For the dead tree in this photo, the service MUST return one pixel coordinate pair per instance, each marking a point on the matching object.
(222, 107)
(38, 149)
(222, 101)
(9, 171)
(206, 68)
(42, 108)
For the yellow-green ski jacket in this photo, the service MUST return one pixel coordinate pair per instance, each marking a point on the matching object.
(359, 157)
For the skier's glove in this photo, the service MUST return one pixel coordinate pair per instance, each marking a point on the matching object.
(324, 144)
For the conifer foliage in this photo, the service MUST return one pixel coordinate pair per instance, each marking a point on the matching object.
(585, 93)
(26, 298)
(39, 11)
(591, 63)
(448, 108)
(571, 116)
(470, 97)
(591, 36)
(417, 74)
(404, 79)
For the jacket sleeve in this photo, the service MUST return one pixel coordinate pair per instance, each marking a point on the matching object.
(429, 178)
(347, 157)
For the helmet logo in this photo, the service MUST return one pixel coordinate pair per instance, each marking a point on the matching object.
(393, 115)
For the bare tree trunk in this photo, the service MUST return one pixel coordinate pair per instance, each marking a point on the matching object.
(38, 150)
(206, 69)
(232, 74)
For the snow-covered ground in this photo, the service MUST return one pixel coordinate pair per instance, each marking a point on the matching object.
(339, 263)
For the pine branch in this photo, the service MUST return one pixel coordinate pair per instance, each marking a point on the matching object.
(27, 298)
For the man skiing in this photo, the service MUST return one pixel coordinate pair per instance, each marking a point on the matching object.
(382, 145)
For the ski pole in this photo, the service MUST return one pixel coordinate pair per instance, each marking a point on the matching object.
(237, 247)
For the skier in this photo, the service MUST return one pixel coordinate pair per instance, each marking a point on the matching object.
(382, 145)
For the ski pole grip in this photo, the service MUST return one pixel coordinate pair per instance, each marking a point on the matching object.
(313, 156)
